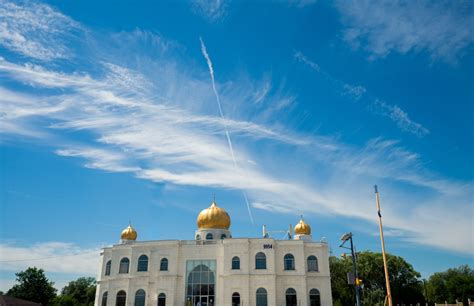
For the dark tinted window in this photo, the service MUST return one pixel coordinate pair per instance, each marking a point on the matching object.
(289, 262)
(164, 264)
(124, 265)
(260, 261)
(235, 263)
(142, 263)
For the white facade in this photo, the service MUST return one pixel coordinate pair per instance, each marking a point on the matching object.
(215, 269)
(244, 281)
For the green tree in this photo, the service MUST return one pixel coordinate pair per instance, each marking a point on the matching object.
(33, 286)
(342, 293)
(457, 283)
(78, 292)
(404, 280)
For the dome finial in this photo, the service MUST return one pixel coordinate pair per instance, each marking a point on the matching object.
(213, 217)
(129, 233)
(302, 228)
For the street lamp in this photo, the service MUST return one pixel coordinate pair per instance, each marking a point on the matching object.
(344, 239)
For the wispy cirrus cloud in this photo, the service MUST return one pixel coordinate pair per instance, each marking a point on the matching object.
(300, 3)
(35, 30)
(158, 121)
(443, 28)
(57, 258)
(46, 255)
(211, 10)
(373, 104)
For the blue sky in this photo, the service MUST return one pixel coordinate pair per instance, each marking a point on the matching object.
(110, 113)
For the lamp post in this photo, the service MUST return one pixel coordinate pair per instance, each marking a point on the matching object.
(344, 239)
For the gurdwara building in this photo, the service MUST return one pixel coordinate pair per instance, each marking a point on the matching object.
(216, 269)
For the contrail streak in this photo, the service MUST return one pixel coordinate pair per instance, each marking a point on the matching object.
(211, 72)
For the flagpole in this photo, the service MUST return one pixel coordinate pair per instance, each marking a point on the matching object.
(387, 280)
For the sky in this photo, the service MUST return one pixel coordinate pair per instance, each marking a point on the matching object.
(116, 112)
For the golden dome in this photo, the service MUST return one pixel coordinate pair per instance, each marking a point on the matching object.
(129, 233)
(213, 217)
(302, 228)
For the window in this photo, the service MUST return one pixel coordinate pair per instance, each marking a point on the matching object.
(235, 263)
(312, 264)
(164, 264)
(198, 237)
(200, 282)
(124, 265)
(260, 261)
(209, 236)
(289, 262)
(142, 263)
(314, 297)
(291, 297)
(104, 299)
(235, 299)
(108, 266)
(223, 236)
(161, 299)
(262, 297)
(121, 298)
(140, 297)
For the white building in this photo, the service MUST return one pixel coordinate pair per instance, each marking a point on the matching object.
(215, 269)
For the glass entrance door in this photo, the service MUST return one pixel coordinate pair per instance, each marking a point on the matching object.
(200, 282)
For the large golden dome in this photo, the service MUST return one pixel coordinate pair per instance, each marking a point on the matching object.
(302, 228)
(129, 233)
(213, 217)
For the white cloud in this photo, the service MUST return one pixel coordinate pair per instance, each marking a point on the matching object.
(158, 120)
(356, 92)
(300, 3)
(443, 28)
(212, 10)
(52, 257)
(373, 104)
(35, 30)
(400, 117)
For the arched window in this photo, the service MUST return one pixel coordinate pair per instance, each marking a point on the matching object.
(124, 265)
(260, 261)
(140, 297)
(235, 263)
(209, 236)
(312, 263)
(121, 298)
(314, 297)
(142, 263)
(161, 299)
(104, 299)
(164, 264)
(108, 266)
(223, 236)
(291, 297)
(198, 237)
(289, 262)
(235, 299)
(262, 297)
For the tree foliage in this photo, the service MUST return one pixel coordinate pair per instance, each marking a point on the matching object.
(405, 282)
(79, 292)
(33, 286)
(451, 285)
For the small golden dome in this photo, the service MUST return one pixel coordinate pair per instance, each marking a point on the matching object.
(213, 217)
(302, 228)
(129, 233)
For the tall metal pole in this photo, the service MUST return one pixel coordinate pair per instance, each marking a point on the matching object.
(354, 266)
(387, 280)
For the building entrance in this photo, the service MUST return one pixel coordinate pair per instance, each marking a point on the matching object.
(200, 282)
